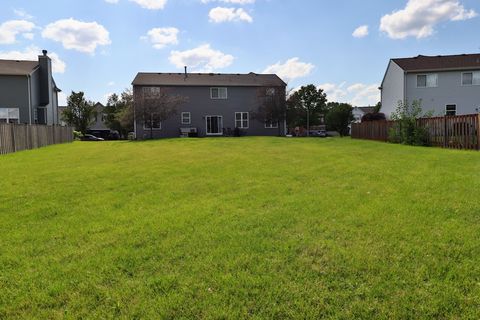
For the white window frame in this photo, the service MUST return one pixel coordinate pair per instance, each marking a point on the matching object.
(270, 92)
(189, 118)
(154, 129)
(451, 104)
(8, 118)
(426, 80)
(151, 91)
(473, 78)
(220, 97)
(242, 120)
(271, 126)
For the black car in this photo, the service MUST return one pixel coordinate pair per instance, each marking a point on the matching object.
(90, 137)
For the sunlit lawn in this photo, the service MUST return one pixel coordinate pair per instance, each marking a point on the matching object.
(240, 228)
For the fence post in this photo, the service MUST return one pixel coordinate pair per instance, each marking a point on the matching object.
(13, 138)
(478, 131)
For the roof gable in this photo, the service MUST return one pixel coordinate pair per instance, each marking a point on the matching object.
(17, 67)
(208, 79)
(438, 63)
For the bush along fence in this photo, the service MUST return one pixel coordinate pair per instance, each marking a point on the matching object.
(454, 132)
(19, 137)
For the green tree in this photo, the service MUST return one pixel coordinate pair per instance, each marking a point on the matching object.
(339, 117)
(119, 112)
(272, 109)
(79, 113)
(306, 106)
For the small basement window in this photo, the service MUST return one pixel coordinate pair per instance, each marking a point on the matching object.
(451, 110)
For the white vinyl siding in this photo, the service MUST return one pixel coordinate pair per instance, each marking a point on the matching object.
(9, 115)
(186, 118)
(471, 78)
(427, 80)
(218, 93)
(241, 120)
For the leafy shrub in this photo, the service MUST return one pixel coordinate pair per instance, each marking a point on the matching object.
(406, 129)
(77, 135)
(374, 117)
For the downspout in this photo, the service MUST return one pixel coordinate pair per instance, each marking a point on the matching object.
(29, 84)
(134, 116)
(404, 87)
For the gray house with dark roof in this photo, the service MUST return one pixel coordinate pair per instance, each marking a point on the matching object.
(28, 93)
(217, 104)
(446, 85)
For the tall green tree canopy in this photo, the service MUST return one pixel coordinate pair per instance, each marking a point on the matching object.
(307, 100)
(79, 113)
(339, 117)
(119, 112)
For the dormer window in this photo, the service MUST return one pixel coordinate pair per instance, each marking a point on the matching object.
(218, 93)
(471, 78)
(427, 80)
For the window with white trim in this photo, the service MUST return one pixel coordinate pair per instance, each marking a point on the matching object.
(186, 118)
(471, 78)
(218, 93)
(271, 124)
(9, 115)
(241, 120)
(270, 92)
(151, 91)
(152, 121)
(451, 110)
(427, 80)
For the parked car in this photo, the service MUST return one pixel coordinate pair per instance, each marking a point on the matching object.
(91, 137)
(318, 133)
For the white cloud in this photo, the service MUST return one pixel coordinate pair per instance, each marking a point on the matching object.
(22, 14)
(162, 37)
(151, 4)
(357, 94)
(77, 35)
(111, 83)
(419, 18)
(10, 29)
(201, 59)
(291, 69)
(220, 14)
(31, 53)
(112, 1)
(240, 2)
(360, 32)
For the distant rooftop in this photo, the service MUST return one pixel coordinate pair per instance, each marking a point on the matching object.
(17, 67)
(208, 79)
(432, 63)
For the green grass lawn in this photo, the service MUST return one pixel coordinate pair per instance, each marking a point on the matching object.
(240, 228)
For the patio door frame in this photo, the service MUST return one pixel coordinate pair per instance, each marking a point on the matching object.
(219, 124)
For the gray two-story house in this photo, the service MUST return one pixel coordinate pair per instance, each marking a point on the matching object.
(446, 85)
(212, 104)
(28, 93)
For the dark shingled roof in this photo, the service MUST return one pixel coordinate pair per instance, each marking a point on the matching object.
(430, 63)
(207, 79)
(17, 68)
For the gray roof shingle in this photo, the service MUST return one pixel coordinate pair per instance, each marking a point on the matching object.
(17, 68)
(207, 79)
(431, 63)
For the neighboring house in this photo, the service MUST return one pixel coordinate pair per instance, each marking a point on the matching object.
(217, 104)
(446, 85)
(359, 112)
(28, 93)
(60, 115)
(98, 127)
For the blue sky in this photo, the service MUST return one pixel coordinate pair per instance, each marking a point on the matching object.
(99, 45)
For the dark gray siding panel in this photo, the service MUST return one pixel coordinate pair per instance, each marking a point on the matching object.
(240, 99)
(14, 94)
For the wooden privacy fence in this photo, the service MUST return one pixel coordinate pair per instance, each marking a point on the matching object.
(19, 137)
(455, 132)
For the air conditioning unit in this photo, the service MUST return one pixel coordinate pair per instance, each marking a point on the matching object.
(188, 132)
